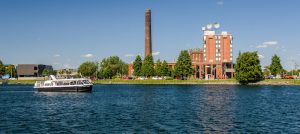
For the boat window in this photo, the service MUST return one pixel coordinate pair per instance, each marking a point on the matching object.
(48, 84)
(86, 82)
(73, 83)
(79, 82)
(53, 83)
(60, 83)
(65, 83)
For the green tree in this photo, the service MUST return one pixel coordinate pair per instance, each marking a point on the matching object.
(248, 68)
(165, 71)
(158, 68)
(10, 69)
(275, 66)
(68, 71)
(148, 66)
(46, 72)
(61, 72)
(54, 72)
(112, 66)
(294, 72)
(183, 66)
(87, 69)
(137, 66)
(2, 68)
(266, 71)
(107, 72)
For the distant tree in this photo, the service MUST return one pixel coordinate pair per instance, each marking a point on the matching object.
(137, 66)
(158, 68)
(2, 68)
(165, 71)
(292, 72)
(61, 72)
(148, 66)
(276, 67)
(124, 69)
(54, 72)
(183, 66)
(248, 68)
(10, 69)
(68, 71)
(112, 66)
(266, 71)
(107, 72)
(87, 69)
(46, 72)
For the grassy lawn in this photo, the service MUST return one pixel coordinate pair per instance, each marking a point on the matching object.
(150, 81)
(230, 81)
(18, 81)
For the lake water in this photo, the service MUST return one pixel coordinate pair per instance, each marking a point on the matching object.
(152, 109)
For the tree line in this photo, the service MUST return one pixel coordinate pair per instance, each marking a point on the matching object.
(113, 67)
(108, 68)
(147, 68)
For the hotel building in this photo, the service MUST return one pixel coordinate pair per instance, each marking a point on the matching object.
(214, 59)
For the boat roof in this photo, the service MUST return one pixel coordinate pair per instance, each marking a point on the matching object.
(70, 79)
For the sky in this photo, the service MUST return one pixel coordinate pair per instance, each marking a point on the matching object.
(65, 33)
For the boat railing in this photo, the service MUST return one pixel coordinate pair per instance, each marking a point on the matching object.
(39, 84)
(72, 82)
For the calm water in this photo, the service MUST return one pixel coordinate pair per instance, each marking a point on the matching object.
(152, 109)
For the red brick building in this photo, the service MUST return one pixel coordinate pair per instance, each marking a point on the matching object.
(214, 60)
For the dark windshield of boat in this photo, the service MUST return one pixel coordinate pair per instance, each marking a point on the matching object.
(86, 82)
(79, 82)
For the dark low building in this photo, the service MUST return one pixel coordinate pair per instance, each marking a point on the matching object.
(32, 70)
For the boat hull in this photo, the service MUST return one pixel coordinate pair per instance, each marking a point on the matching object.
(66, 89)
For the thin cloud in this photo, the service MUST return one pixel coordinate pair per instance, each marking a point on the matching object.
(261, 46)
(56, 55)
(267, 44)
(220, 3)
(129, 55)
(261, 56)
(87, 55)
(271, 43)
(155, 53)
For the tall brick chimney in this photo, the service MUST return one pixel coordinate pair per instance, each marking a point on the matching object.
(148, 40)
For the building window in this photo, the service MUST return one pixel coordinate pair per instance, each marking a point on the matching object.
(34, 68)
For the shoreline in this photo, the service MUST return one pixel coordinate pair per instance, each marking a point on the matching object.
(269, 82)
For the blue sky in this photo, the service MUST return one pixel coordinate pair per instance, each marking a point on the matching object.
(65, 33)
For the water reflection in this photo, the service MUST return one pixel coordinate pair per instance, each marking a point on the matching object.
(217, 108)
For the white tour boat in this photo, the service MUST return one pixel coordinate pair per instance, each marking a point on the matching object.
(64, 85)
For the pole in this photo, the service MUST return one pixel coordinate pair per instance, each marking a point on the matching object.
(215, 73)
